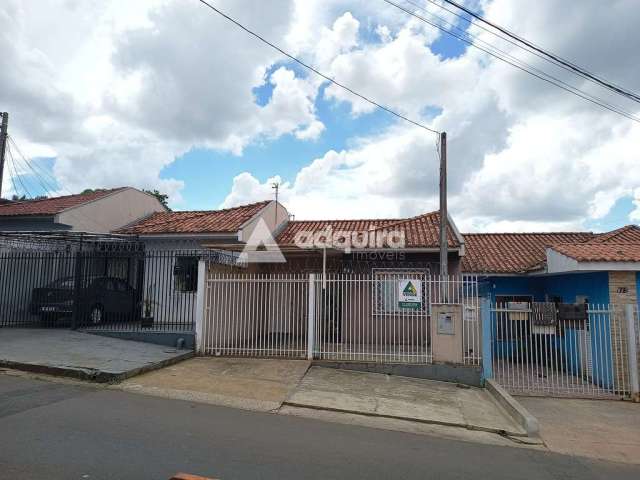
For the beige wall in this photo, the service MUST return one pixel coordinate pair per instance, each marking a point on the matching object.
(268, 214)
(622, 291)
(110, 213)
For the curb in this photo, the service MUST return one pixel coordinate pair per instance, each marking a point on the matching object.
(466, 426)
(520, 414)
(91, 374)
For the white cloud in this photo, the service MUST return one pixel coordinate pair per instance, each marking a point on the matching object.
(523, 155)
(117, 89)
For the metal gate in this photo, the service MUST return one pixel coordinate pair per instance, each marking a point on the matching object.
(541, 349)
(350, 317)
(97, 286)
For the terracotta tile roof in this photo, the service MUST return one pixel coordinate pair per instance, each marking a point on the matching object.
(626, 234)
(203, 221)
(420, 232)
(600, 252)
(512, 252)
(52, 206)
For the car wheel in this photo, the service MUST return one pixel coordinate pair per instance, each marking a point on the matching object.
(47, 320)
(96, 316)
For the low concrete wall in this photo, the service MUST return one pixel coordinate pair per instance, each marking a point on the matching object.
(466, 375)
(514, 408)
(170, 339)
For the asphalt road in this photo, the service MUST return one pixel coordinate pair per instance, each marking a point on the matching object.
(57, 431)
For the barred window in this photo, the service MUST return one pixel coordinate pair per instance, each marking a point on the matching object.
(185, 273)
(386, 294)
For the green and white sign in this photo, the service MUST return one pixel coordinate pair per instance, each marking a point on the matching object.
(410, 293)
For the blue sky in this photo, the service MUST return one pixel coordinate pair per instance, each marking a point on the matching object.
(523, 155)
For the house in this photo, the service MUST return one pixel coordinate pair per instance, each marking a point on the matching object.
(175, 241)
(524, 269)
(358, 246)
(99, 211)
(565, 267)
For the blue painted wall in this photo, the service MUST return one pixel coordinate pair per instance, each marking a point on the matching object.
(594, 285)
(638, 287)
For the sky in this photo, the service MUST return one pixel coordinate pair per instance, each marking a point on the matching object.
(165, 94)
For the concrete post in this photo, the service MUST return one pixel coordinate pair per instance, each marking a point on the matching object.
(632, 352)
(311, 316)
(200, 293)
(485, 322)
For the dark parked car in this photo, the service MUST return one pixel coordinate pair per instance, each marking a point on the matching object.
(99, 298)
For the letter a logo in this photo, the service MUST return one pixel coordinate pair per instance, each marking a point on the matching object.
(261, 237)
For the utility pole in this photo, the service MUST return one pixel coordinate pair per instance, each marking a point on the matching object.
(444, 253)
(276, 186)
(3, 144)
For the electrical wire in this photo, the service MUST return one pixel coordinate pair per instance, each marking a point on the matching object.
(11, 178)
(44, 173)
(556, 58)
(15, 172)
(508, 40)
(316, 71)
(45, 187)
(474, 38)
(545, 77)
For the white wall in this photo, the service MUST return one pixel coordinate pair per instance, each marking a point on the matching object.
(268, 214)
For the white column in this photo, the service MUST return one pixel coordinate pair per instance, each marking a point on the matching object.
(632, 352)
(311, 316)
(202, 284)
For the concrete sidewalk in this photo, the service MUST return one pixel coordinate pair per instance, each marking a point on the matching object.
(602, 429)
(291, 387)
(402, 398)
(82, 355)
(247, 383)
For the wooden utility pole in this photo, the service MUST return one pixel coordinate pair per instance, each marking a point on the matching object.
(444, 253)
(3, 144)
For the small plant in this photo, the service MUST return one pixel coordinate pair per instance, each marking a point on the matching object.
(148, 307)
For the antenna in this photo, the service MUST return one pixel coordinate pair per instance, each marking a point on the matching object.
(276, 187)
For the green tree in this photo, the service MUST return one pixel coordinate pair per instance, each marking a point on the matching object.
(163, 198)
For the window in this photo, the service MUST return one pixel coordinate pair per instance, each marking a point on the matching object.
(386, 293)
(185, 273)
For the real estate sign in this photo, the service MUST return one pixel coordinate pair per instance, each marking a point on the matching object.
(410, 293)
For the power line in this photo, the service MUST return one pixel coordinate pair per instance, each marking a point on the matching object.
(316, 71)
(497, 35)
(45, 186)
(48, 190)
(474, 38)
(556, 58)
(542, 76)
(15, 172)
(13, 183)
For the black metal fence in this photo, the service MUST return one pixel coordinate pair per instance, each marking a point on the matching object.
(124, 289)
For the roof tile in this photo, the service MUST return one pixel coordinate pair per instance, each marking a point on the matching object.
(204, 221)
(422, 231)
(52, 206)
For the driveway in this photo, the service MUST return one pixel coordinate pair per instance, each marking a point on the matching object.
(603, 429)
(292, 387)
(402, 398)
(247, 383)
(81, 355)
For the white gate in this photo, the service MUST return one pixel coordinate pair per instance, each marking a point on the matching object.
(538, 349)
(345, 317)
(255, 315)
